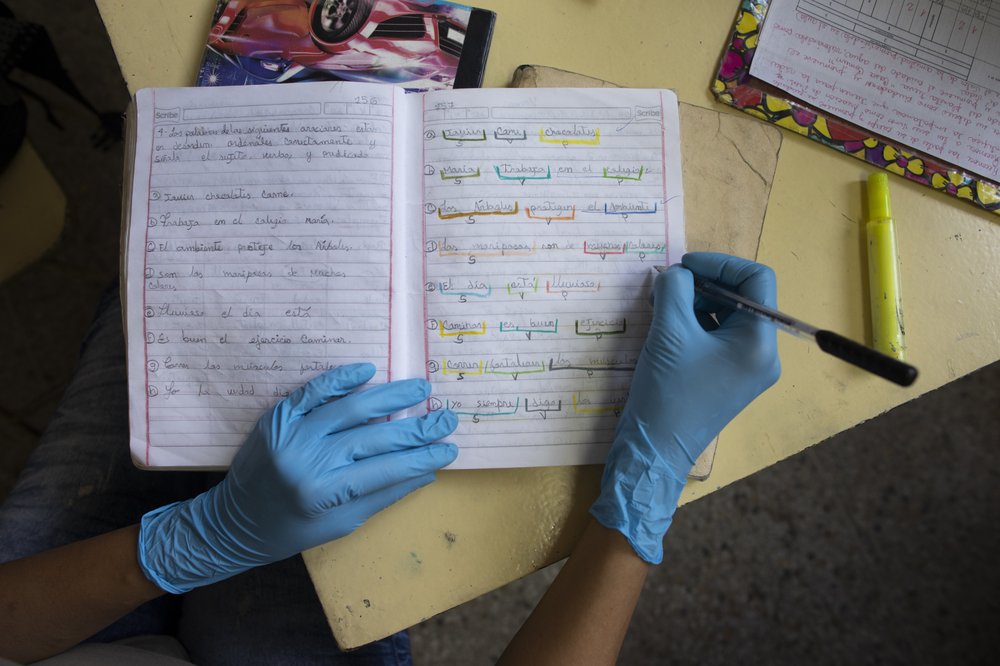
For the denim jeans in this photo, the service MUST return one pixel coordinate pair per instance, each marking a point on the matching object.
(80, 482)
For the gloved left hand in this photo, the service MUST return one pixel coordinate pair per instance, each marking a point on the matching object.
(311, 471)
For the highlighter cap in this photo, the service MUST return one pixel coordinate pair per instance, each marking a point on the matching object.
(878, 196)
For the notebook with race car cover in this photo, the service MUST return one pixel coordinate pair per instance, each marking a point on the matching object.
(415, 44)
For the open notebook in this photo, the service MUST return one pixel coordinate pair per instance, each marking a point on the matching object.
(498, 242)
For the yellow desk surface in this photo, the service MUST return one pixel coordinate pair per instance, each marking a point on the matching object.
(403, 566)
(32, 211)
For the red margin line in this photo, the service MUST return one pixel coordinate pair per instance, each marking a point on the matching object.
(666, 195)
(423, 226)
(145, 264)
(392, 209)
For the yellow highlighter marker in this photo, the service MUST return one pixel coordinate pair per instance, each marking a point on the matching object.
(883, 271)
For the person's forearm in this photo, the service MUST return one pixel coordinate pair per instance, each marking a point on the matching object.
(53, 600)
(583, 617)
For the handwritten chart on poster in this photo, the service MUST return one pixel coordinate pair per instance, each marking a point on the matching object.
(922, 72)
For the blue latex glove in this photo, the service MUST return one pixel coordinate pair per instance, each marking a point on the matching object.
(310, 472)
(688, 384)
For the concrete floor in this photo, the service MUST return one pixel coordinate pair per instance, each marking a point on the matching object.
(877, 546)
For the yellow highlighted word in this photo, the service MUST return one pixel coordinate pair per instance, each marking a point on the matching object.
(549, 218)
(476, 213)
(450, 333)
(463, 369)
(582, 406)
(596, 141)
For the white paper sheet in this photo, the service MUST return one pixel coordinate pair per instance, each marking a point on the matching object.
(544, 213)
(259, 256)
(925, 73)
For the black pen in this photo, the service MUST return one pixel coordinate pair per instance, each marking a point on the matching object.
(832, 343)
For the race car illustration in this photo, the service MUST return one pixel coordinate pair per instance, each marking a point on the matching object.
(393, 41)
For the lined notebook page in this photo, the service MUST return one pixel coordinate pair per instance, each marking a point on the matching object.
(258, 256)
(544, 213)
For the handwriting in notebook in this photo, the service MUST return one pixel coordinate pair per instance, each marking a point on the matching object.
(541, 229)
(267, 257)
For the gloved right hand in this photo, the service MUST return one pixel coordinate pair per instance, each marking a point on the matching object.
(688, 384)
(311, 471)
